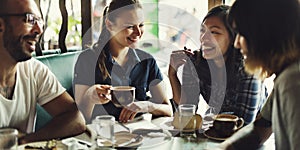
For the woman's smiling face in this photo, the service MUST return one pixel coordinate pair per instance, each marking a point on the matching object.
(214, 38)
(128, 27)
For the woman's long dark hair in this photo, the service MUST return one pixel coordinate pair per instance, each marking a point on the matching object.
(271, 29)
(232, 55)
(111, 12)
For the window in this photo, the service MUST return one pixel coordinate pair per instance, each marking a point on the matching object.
(170, 24)
(53, 20)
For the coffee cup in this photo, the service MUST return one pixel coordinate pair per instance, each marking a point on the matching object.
(122, 95)
(226, 124)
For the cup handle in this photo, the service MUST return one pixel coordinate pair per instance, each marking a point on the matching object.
(240, 123)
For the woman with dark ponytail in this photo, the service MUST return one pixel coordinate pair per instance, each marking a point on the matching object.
(114, 61)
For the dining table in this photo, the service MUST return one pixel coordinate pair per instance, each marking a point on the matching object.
(158, 134)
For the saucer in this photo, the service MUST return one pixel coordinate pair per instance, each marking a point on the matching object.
(153, 137)
(212, 134)
(123, 137)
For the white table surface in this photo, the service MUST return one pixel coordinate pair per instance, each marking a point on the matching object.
(178, 143)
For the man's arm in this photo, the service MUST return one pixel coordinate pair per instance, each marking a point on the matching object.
(67, 120)
(250, 137)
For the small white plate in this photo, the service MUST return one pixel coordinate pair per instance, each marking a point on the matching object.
(123, 136)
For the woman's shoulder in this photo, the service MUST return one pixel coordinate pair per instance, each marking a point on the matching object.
(289, 75)
(143, 54)
(87, 56)
(89, 52)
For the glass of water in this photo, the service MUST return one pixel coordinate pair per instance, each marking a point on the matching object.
(104, 127)
(208, 118)
(187, 122)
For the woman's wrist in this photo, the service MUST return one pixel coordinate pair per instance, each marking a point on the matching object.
(172, 71)
(151, 106)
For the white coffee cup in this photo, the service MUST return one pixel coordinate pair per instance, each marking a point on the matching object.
(122, 95)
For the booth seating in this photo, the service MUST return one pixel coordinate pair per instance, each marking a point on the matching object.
(62, 65)
(47, 52)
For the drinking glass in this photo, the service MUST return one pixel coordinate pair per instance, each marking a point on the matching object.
(8, 139)
(104, 127)
(208, 118)
(187, 123)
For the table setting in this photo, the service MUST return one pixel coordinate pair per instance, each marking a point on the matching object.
(183, 131)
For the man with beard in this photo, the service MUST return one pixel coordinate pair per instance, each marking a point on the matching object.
(24, 81)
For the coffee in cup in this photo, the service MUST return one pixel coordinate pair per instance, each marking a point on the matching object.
(226, 124)
(122, 95)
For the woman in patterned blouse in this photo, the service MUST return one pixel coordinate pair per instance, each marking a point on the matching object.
(216, 71)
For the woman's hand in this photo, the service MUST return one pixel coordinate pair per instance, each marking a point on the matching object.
(178, 58)
(99, 94)
(103, 92)
(130, 111)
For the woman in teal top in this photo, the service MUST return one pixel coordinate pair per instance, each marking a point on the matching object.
(112, 61)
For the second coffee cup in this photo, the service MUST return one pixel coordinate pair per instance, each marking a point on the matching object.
(122, 95)
(225, 124)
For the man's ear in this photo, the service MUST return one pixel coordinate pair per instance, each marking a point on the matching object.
(109, 25)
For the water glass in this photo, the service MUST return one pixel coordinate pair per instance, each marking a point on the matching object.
(8, 139)
(104, 127)
(208, 118)
(187, 123)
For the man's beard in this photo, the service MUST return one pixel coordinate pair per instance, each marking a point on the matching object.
(14, 46)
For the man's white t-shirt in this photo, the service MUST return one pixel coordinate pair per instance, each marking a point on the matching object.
(35, 83)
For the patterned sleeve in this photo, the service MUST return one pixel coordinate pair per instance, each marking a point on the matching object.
(190, 83)
(251, 96)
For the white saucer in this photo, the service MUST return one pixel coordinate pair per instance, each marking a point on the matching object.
(124, 136)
